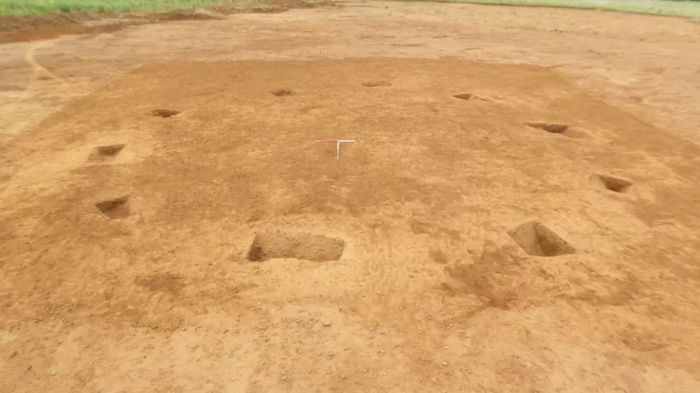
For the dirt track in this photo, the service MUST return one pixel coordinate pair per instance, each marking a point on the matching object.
(168, 224)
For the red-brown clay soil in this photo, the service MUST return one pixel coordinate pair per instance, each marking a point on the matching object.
(519, 212)
(44, 26)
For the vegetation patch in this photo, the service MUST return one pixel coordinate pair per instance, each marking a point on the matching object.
(659, 7)
(28, 7)
(32, 7)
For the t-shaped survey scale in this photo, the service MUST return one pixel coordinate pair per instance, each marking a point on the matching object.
(337, 144)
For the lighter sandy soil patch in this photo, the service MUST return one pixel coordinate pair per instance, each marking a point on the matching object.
(519, 212)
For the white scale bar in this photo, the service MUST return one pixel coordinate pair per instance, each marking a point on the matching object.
(337, 144)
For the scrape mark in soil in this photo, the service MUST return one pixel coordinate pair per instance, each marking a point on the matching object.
(376, 83)
(463, 96)
(424, 228)
(162, 282)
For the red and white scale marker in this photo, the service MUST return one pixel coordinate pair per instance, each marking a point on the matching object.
(337, 144)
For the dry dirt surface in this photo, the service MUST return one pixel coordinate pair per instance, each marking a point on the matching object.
(520, 212)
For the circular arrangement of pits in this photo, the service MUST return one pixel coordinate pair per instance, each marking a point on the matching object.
(533, 237)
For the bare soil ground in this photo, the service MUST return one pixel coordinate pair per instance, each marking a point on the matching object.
(520, 211)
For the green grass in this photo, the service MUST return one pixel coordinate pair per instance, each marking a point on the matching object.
(657, 7)
(27, 7)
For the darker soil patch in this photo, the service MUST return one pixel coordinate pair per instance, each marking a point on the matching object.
(282, 92)
(376, 84)
(10, 23)
(295, 245)
(536, 239)
(162, 282)
(436, 231)
(15, 28)
(53, 24)
(438, 256)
